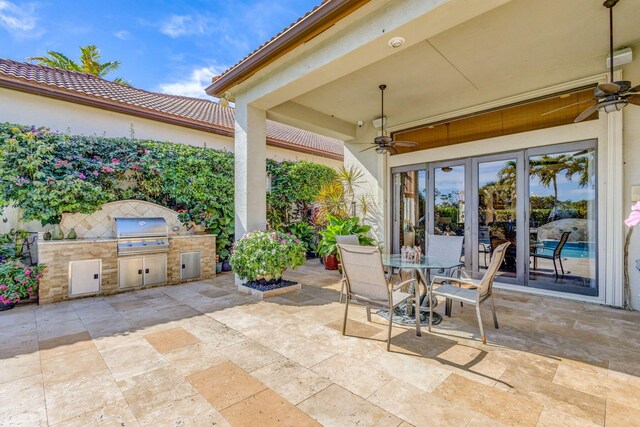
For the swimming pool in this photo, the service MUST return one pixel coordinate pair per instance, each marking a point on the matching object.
(570, 249)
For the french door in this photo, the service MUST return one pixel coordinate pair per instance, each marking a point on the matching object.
(543, 201)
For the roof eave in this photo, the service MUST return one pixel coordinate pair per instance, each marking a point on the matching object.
(321, 19)
(66, 95)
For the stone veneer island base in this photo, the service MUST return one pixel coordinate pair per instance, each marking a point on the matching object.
(57, 254)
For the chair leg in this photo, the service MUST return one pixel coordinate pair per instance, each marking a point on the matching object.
(429, 295)
(484, 339)
(368, 314)
(561, 266)
(342, 293)
(344, 322)
(495, 317)
(390, 324)
(555, 267)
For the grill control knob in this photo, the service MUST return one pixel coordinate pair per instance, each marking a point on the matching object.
(129, 244)
(144, 243)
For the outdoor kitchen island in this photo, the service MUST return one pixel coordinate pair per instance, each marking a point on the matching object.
(91, 266)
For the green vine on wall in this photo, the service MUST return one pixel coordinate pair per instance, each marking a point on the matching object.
(47, 173)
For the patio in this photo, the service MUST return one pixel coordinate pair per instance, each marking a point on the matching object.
(202, 354)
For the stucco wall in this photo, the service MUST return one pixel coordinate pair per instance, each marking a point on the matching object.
(631, 136)
(28, 109)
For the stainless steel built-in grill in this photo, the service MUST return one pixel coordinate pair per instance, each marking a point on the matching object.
(140, 236)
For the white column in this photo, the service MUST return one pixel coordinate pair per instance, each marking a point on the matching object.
(250, 169)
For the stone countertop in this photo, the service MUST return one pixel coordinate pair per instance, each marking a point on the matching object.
(71, 241)
(184, 236)
(111, 239)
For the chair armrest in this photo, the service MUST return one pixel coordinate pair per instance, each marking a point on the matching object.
(401, 284)
(444, 279)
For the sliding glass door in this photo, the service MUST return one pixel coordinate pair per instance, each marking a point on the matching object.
(543, 201)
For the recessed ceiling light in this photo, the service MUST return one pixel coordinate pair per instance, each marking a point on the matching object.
(396, 42)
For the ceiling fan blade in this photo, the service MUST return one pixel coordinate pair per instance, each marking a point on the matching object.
(607, 89)
(567, 106)
(404, 144)
(586, 113)
(634, 99)
(392, 150)
(369, 148)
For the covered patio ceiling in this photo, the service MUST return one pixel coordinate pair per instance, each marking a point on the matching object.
(516, 47)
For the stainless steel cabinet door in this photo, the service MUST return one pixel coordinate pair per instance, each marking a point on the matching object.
(155, 269)
(130, 272)
(84, 277)
(190, 265)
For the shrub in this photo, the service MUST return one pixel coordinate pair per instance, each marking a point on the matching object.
(266, 255)
(18, 281)
(305, 233)
(342, 227)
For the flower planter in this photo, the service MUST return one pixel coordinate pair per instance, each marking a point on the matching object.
(9, 306)
(265, 290)
(330, 262)
(225, 265)
(218, 267)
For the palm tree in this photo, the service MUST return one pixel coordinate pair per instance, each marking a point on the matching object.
(89, 63)
(547, 168)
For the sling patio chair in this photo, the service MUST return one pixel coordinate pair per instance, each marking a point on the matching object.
(556, 255)
(447, 247)
(367, 284)
(476, 293)
(350, 239)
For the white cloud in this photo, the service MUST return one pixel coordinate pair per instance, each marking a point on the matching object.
(20, 21)
(193, 85)
(122, 34)
(184, 25)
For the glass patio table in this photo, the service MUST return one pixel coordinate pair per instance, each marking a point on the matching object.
(407, 315)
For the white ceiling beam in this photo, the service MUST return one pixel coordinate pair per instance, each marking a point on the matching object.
(303, 117)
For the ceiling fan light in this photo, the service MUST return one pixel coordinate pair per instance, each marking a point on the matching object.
(381, 150)
(614, 106)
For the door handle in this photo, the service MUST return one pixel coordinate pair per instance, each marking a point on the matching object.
(146, 271)
(96, 276)
(139, 271)
(184, 266)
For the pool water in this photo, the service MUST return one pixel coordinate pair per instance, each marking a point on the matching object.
(570, 249)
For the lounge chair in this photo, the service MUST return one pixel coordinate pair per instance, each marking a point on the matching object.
(367, 284)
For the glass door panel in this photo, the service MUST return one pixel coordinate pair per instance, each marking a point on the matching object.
(562, 220)
(497, 214)
(410, 191)
(449, 188)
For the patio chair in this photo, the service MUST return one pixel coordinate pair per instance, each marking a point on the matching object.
(556, 255)
(367, 284)
(350, 239)
(478, 292)
(449, 247)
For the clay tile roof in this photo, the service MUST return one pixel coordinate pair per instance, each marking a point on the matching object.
(206, 114)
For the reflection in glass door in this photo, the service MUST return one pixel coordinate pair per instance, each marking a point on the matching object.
(562, 220)
(449, 188)
(410, 191)
(496, 221)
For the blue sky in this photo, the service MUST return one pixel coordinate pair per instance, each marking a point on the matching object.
(165, 46)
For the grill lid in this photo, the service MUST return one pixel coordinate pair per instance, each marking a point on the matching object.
(126, 228)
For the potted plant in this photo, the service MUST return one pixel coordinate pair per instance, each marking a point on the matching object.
(328, 249)
(18, 282)
(218, 265)
(261, 257)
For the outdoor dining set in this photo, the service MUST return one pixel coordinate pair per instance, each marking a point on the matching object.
(394, 284)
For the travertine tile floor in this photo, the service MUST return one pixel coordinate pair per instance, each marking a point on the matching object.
(201, 355)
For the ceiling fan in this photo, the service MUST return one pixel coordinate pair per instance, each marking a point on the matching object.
(608, 97)
(384, 143)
